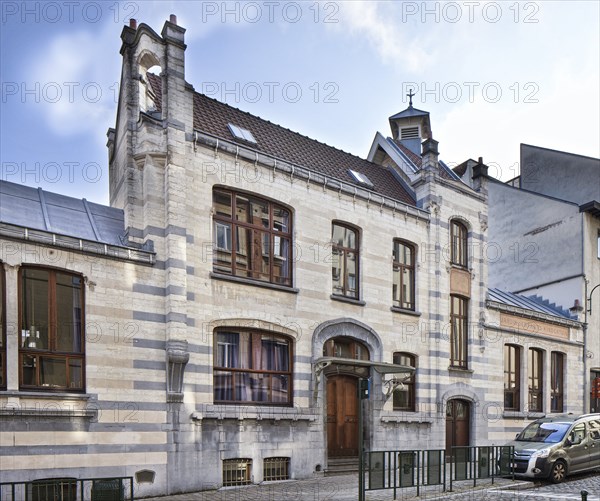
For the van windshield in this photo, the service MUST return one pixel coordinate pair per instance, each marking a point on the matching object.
(544, 432)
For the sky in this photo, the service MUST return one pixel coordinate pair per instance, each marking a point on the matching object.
(492, 75)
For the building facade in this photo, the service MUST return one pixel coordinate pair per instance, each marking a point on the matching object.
(211, 326)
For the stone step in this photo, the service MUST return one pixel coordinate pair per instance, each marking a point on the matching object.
(341, 466)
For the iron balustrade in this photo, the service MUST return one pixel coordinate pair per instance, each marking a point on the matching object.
(400, 469)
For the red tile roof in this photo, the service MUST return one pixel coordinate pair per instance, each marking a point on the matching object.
(212, 116)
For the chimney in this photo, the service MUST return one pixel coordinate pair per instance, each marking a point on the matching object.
(430, 154)
(173, 19)
(133, 24)
(480, 173)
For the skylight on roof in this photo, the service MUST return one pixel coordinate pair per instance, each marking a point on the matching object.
(241, 133)
(361, 178)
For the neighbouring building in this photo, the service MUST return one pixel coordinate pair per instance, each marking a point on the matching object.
(544, 233)
(210, 327)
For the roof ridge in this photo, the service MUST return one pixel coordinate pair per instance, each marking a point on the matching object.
(289, 130)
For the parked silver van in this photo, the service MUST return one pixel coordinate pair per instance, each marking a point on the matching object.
(557, 446)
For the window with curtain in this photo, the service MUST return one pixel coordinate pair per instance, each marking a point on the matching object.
(535, 376)
(404, 397)
(403, 291)
(252, 367)
(345, 261)
(51, 323)
(557, 361)
(458, 244)
(252, 238)
(458, 331)
(512, 377)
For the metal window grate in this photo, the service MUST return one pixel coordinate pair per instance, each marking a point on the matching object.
(237, 472)
(276, 469)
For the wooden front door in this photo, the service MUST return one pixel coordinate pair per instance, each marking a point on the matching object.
(458, 423)
(342, 416)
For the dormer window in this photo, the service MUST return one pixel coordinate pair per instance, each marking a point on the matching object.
(241, 133)
(361, 178)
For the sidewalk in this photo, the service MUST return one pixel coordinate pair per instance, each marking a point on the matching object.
(342, 488)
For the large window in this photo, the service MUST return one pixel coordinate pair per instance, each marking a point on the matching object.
(404, 397)
(2, 329)
(404, 275)
(512, 377)
(458, 244)
(535, 376)
(557, 361)
(345, 258)
(252, 238)
(252, 367)
(51, 320)
(458, 331)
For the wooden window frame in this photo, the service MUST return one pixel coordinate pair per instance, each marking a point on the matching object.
(557, 381)
(255, 229)
(343, 251)
(2, 327)
(535, 379)
(52, 353)
(410, 383)
(398, 271)
(358, 349)
(459, 360)
(238, 371)
(512, 371)
(459, 244)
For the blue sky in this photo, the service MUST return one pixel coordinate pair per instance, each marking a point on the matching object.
(492, 75)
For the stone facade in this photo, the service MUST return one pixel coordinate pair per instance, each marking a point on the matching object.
(149, 400)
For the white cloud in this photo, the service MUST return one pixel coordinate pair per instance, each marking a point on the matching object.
(392, 40)
(76, 76)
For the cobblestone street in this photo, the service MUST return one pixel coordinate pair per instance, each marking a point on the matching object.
(345, 488)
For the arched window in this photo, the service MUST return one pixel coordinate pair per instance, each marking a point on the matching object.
(535, 376)
(252, 367)
(512, 377)
(345, 261)
(458, 244)
(345, 347)
(404, 397)
(252, 238)
(403, 291)
(51, 324)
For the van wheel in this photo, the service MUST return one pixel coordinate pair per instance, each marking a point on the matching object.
(558, 472)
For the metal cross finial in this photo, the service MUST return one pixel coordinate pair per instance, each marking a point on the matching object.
(410, 96)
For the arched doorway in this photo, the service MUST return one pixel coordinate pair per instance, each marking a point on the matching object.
(458, 424)
(342, 396)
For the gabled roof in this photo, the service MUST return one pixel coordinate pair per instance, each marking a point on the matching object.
(38, 209)
(444, 170)
(213, 117)
(532, 303)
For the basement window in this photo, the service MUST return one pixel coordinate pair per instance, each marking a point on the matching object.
(241, 133)
(409, 133)
(237, 472)
(276, 469)
(360, 178)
